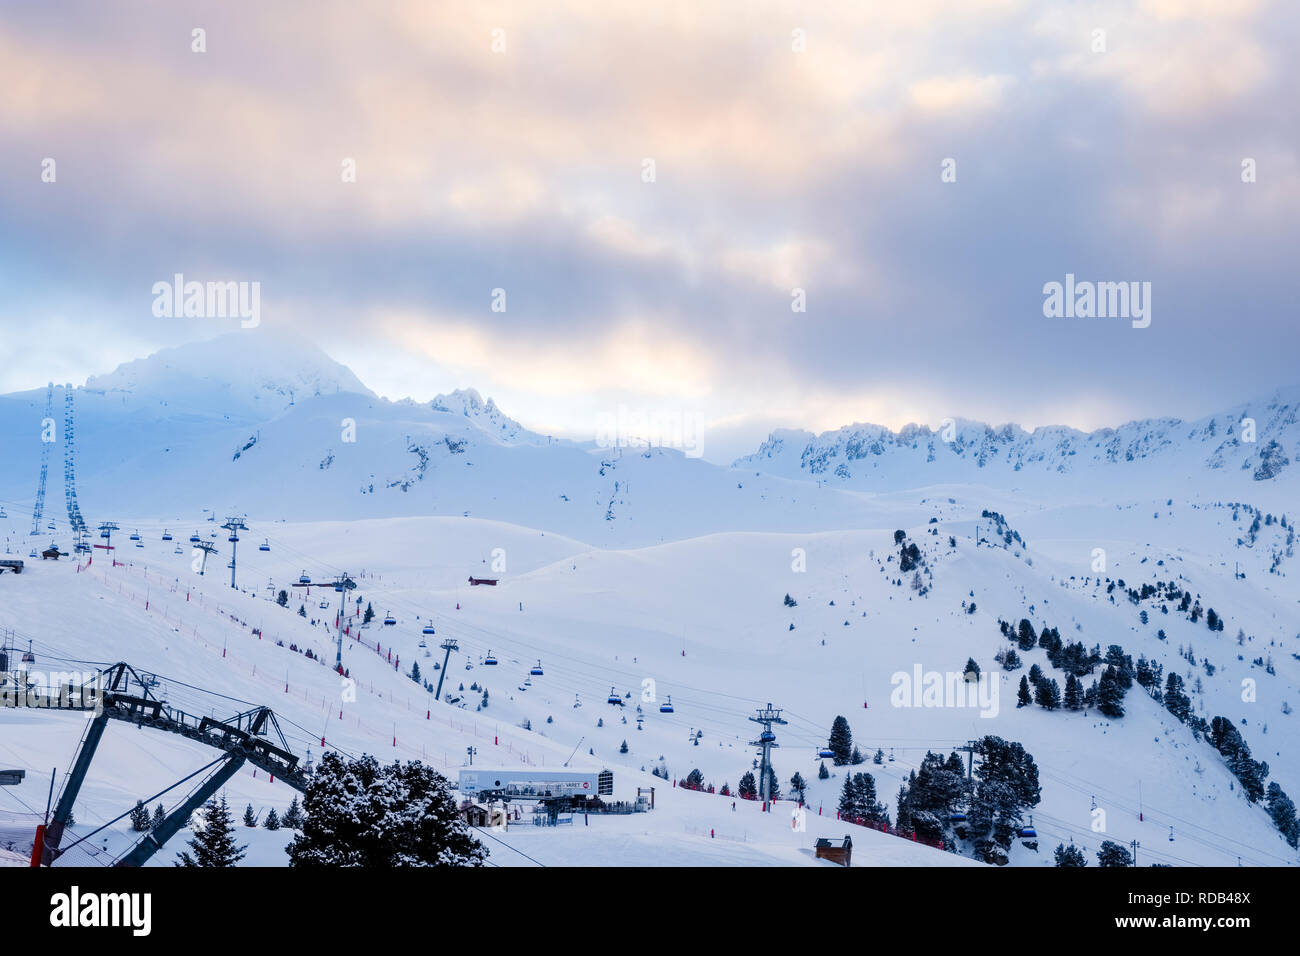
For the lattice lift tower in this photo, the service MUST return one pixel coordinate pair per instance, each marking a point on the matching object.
(767, 716)
(77, 523)
(47, 439)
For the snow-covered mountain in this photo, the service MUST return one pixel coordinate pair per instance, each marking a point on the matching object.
(1248, 446)
(776, 580)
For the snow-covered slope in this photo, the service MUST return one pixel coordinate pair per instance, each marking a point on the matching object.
(647, 574)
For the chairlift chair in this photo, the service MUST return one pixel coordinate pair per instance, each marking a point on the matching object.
(537, 670)
(324, 605)
(389, 620)
(614, 698)
(194, 538)
(166, 536)
(304, 578)
(135, 535)
(825, 753)
(667, 706)
(427, 630)
(490, 661)
(265, 545)
(28, 656)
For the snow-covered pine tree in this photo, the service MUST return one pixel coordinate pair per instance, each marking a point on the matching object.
(841, 741)
(1069, 856)
(139, 817)
(293, 816)
(359, 813)
(214, 845)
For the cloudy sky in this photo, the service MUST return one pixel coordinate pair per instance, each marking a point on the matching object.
(793, 146)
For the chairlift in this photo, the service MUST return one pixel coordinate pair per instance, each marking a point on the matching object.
(767, 737)
(825, 753)
(389, 620)
(178, 550)
(667, 706)
(194, 538)
(304, 578)
(427, 630)
(957, 818)
(28, 656)
(490, 661)
(265, 545)
(234, 538)
(324, 605)
(614, 698)
(166, 535)
(135, 535)
(469, 666)
(1029, 833)
(891, 754)
(537, 670)
(422, 644)
(139, 544)
(33, 554)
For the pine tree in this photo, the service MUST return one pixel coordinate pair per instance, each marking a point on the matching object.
(415, 671)
(1023, 699)
(302, 610)
(369, 615)
(1110, 694)
(1068, 856)
(158, 816)
(1282, 810)
(798, 786)
(748, 787)
(1113, 854)
(822, 772)
(848, 807)
(623, 748)
(878, 757)
(214, 845)
(272, 820)
(293, 816)
(139, 817)
(841, 741)
(282, 598)
(250, 818)
(856, 757)
(1073, 693)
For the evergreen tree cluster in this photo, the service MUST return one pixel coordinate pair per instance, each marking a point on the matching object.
(362, 813)
(1006, 787)
(858, 800)
(931, 796)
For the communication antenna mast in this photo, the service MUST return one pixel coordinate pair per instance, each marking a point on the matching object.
(767, 716)
(39, 511)
(69, 468)
(234, 525)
